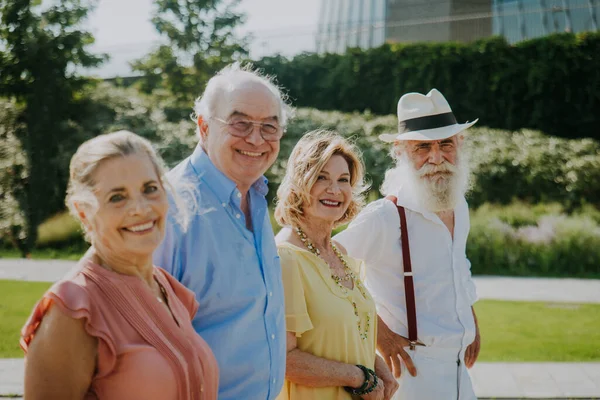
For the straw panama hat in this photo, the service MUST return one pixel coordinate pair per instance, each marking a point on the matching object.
(425, 117)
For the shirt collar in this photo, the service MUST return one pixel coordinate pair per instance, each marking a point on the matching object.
(223, 187)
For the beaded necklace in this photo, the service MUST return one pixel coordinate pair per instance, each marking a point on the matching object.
(348, 275)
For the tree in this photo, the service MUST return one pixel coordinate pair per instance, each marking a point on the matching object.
(200, 40)
(42, 47)
(13, 175)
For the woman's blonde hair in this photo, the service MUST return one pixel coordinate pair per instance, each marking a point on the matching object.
(307, 160)
(93, 152)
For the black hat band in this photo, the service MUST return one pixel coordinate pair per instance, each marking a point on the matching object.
(427, 122)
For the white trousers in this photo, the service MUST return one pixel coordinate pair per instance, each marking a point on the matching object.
(439, 376)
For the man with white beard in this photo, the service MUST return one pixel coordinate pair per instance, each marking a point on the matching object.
(413, 244)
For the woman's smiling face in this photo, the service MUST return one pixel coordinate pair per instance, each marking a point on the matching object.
(131, 208)
(331, 194)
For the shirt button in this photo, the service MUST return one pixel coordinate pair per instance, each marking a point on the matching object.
(274, 381)
(239, 194)
(238, 216)
(224, 204)
(273, 337)
(270, 294)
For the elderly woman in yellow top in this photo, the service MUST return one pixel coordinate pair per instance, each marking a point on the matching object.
(330, 316)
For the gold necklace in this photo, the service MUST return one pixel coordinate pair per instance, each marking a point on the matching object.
(349, 274)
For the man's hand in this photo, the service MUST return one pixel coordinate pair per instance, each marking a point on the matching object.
(385, 375)
(473, 350)
(391, 346)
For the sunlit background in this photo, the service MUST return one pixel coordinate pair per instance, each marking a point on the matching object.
(528, 69)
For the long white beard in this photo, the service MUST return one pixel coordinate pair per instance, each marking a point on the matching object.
(446, 186)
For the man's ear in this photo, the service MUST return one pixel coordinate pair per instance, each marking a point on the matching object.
(202, 127)
(460, 139)
(398, 148)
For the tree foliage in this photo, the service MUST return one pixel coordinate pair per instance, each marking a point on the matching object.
(199, 40)
(14, 172)
(41, 49)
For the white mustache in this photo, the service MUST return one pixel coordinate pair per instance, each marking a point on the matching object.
(432, 169)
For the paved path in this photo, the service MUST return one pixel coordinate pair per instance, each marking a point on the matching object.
(21, 269)
(560, 290)
(11, 376)
(490, 380)
(536, 380)
(488, 287)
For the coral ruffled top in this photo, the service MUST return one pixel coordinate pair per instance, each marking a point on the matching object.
(144, 352)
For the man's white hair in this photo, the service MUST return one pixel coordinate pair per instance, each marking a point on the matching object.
(226, 79)
(435, 197)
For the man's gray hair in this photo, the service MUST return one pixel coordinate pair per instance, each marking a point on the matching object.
(225, 79)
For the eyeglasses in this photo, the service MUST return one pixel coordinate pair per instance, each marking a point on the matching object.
(243, 127)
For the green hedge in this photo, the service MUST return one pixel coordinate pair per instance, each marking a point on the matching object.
(542, 240)
(529, 166)
(523, 165)
(551, 84)
(507, 165)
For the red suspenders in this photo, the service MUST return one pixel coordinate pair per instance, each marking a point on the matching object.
(409, 287)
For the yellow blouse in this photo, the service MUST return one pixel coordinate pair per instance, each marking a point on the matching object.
(322, 316)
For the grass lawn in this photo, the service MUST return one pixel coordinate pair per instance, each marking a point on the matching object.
(536, 331)
(511, 331)
(17, 299)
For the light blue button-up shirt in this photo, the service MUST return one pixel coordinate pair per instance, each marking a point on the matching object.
(236, 276)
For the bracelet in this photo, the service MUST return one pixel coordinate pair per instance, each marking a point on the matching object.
(365, 385)
(375, 382)
(368, 386)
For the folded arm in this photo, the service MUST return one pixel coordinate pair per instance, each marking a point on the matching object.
(307, 369)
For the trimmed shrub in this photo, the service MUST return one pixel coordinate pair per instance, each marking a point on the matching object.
(507, 165)
(523, 165)
(529, 166)
(537, 241)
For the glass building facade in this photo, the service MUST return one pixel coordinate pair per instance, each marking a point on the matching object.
(351, 23)
(525, 19)
(370, 23)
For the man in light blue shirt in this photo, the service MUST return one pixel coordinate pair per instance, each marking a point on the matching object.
(227, 253)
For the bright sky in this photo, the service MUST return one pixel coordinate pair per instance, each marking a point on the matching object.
(122, 29)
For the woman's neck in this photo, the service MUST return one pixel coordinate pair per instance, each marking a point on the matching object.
(141, 267)
(319, 233)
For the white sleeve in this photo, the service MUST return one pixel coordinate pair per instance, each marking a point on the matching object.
(362, 238)
(470, 286)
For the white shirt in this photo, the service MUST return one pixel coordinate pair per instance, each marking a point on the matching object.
(444, 290)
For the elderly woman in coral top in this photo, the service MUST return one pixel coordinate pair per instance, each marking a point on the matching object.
(330, 316)
(117, 327)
